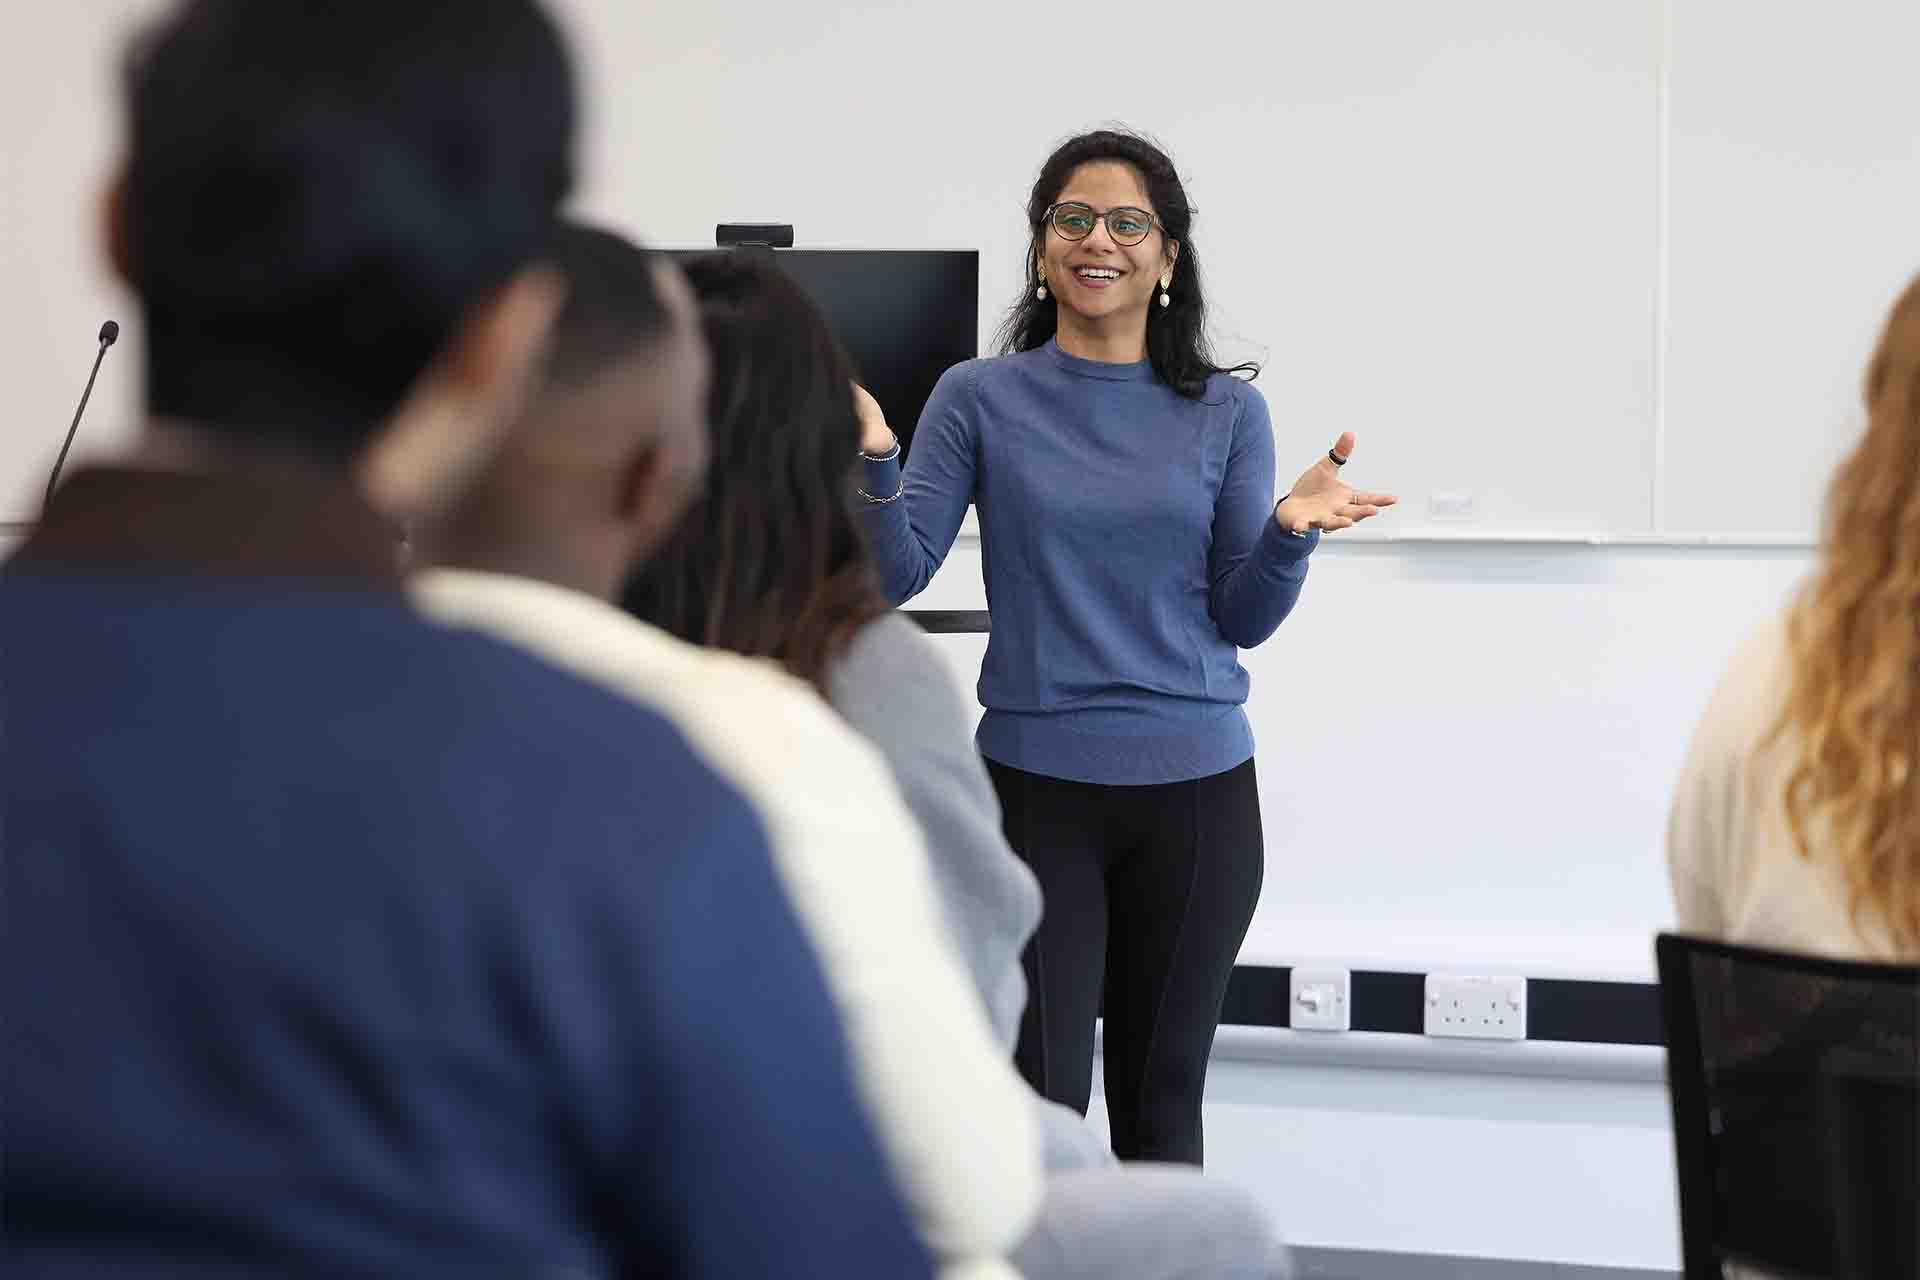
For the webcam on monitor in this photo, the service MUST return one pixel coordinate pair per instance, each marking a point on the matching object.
(754, 235)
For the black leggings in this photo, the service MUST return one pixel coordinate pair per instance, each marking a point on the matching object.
(1152, 889)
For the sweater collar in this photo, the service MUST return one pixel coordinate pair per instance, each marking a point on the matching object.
(1136, 371)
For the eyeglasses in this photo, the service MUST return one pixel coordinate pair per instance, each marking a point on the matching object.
(1075, 221)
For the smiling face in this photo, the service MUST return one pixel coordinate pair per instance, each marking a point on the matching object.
(1102, 285)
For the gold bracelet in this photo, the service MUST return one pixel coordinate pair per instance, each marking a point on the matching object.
(883, 501)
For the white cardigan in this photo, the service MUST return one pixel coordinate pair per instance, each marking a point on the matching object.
(952, 1114)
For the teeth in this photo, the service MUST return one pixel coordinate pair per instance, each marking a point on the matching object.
(1099, 273)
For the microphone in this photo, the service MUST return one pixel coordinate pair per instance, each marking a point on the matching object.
(109, 334)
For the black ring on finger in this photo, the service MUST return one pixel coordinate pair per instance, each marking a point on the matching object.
(1338, 461)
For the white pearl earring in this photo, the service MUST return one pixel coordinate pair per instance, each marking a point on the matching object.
(1165, 301)
(1040, 294)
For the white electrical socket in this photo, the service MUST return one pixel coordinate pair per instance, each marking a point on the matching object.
(1476, 1008)
(1320, 1000)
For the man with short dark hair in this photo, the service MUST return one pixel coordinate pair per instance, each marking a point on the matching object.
(593, 479)
(336, 943)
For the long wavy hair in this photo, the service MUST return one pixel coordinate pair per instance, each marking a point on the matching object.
(1177, 342)
(1853, 704)
(769, 561)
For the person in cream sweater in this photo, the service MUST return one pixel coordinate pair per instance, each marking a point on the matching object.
(1795, 823)
(595, 472)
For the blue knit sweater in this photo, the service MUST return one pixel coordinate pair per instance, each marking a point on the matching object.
(1130, 551)
(336, 944)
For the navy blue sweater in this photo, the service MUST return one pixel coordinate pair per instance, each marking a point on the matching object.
(1130, 551)
(338, 944)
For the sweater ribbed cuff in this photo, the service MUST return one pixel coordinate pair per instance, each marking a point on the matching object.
(1279, 543)
(881, 478)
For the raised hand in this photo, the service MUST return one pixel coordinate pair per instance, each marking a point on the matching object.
(876, 438)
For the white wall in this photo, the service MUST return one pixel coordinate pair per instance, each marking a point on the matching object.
(1465, 756)
(58, 138)
(1566, 1161)
(1465, 751)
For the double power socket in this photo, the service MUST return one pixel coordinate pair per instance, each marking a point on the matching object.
(1457, 1006)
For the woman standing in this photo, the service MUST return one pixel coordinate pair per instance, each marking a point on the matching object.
(1124, 483)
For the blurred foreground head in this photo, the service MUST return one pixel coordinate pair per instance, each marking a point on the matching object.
(606, 455)
(333, 214)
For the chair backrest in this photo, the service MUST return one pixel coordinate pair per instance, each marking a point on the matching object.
(1795, 1084)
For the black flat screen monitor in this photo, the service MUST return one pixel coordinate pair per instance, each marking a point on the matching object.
(905, 316)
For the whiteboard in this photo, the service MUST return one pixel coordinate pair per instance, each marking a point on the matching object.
(1565, 268)
(1794, 221)
(1436, 224)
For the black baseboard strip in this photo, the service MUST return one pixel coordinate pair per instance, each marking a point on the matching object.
(1389, 1002)
(1594, 1012)
(1557, 1008)
(1367, 1264)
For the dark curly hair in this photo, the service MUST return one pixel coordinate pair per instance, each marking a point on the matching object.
(317, 194)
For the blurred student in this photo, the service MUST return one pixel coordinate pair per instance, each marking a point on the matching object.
(1796, 823)
(594, 476)
(336, 943)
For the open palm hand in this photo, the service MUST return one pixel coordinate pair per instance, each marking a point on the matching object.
(1320, 499)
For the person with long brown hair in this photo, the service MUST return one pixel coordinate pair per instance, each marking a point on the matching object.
(770, 562)
(1796, 823)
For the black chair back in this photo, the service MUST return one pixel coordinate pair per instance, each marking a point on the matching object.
(1795, 1084)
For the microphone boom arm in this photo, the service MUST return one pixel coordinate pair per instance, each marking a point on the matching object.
(108, 332)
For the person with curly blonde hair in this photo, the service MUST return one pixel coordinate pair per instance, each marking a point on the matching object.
(1796, 824)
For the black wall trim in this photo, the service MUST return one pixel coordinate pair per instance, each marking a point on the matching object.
(1594, 1012)
(1390, 1002)
(1557, 1008)
(1256, 997)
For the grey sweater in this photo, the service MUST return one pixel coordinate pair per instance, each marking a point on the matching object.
(894, 688)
